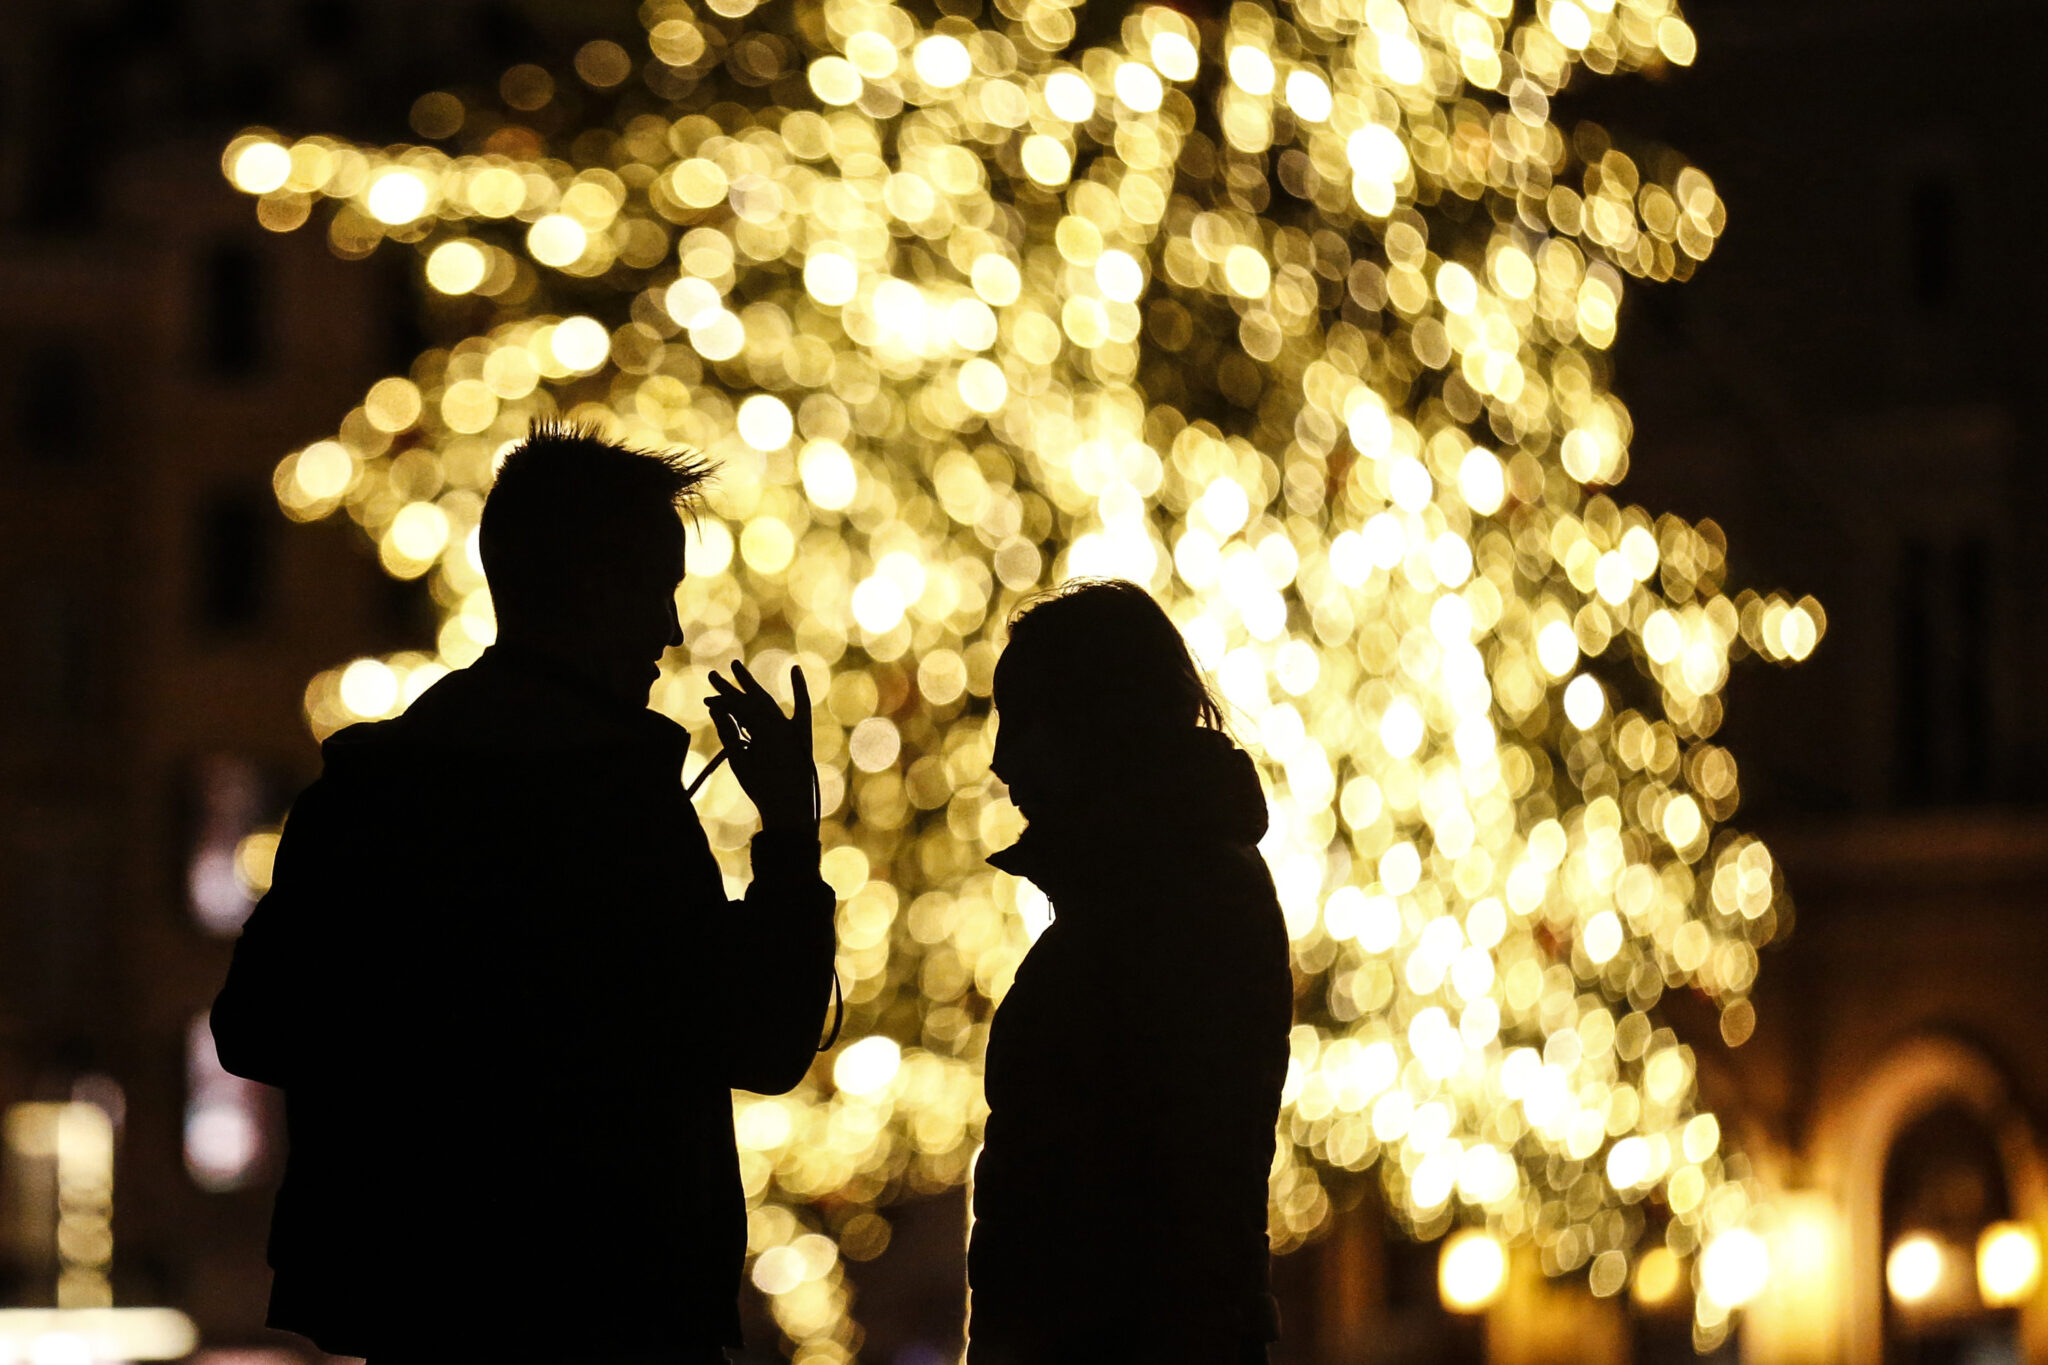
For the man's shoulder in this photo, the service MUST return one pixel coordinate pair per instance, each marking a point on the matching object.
(486, 716)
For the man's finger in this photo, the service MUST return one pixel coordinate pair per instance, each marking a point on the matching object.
(800, 694)
(728, 731)
(730, 726)
(753, 685)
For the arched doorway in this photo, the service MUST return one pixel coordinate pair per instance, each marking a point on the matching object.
(1934, 1115)
(1944, 1185)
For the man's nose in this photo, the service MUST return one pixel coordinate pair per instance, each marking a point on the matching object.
(675, 626)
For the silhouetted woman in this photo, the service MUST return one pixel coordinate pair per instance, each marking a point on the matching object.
(1134, 1069)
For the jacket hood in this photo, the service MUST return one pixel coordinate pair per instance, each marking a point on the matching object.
(1201, 787)
(509, 704)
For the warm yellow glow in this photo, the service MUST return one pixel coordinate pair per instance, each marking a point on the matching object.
(967, 305)
(457, 267)
(1308, 96)
(1174, 55)
(260, 167)
(1138, 87)
(420, 530)
(78, 1140)
(557, 240)
(580, 343)
(867, 1066)
(1047, 160)
(1252, 69)
(397, 196)
(1584, 702)
(828, 474)
(1734, 1268)
(832, 277)
(1913, 1270)
(369, 688)
(1068, 96)
(2008, 1264)
(1470, 1271)
(942, 61)
(1658, 1275)
(65, 1335)
(765, 423)
(323, 470)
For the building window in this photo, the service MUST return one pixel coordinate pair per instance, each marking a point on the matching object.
(1945, 725)
(1931, 238)
(232, 578)
(54, 641)
(231, 311)
(54, 405)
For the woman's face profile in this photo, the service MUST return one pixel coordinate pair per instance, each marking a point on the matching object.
(1022, 749)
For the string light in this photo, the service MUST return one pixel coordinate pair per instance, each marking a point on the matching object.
(1317, 352)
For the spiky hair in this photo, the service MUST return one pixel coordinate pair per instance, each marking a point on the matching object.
(567, 496)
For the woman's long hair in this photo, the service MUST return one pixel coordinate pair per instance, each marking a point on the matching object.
(1102, 663)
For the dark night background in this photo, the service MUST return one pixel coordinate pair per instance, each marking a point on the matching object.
(1846, 387)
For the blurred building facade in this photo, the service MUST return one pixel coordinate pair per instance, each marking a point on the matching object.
(159, 352)
(1845, 388)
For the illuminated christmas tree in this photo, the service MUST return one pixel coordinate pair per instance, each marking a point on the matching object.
(1299, 318)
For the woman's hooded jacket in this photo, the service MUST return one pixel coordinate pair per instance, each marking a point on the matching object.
(1133, 1077)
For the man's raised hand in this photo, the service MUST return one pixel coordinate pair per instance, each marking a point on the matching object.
(770, 753)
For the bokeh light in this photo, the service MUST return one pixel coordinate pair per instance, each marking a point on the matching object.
(2008, 1264)
(1471, 1271)
(1913, 1270)
(1318, 352)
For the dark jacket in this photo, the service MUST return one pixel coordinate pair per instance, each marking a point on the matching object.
(501, 986)
(1133, 1080)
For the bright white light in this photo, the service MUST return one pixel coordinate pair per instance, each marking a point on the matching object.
(830, 479)
(1602, 938)
(867, 1066)
(878, 605)
(2008, 1264)
(831, 277)
(556, 240)
(689, 300)
(581, 343)
(397, 196)
(1069, 97)
(942, 61)
(1570, 24)
(1584, 702)
(1734, 1268)
(261, 167)
(1471, 1271)
(369, 688)
(1401, 728)
(1557, 648)
(1376, 153)
(1119, 276)
(1139, 87)
(1252, 69)
(1175, 56)
(1628, 1163)
(765, 423)
(420, 530)
(1308, 97)
(983, 386)
(1913, 1270)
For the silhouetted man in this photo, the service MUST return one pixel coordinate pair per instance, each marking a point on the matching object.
(498, 978)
